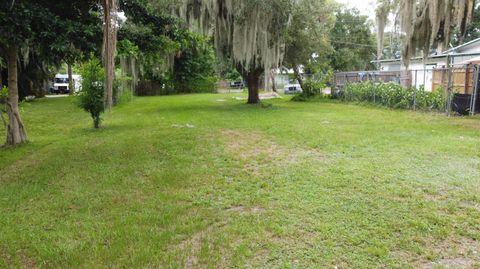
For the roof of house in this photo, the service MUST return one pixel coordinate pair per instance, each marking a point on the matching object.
(475, 41)
(451, 51)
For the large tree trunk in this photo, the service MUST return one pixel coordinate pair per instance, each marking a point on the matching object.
(109, 48)
(71, 85)
(15, 130)
(252, 77)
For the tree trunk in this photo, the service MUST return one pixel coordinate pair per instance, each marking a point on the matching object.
(71, 85)
(109, 48)
(298, 76)
(252, 77)
(15, 130)
(253, 86)
(274, 85)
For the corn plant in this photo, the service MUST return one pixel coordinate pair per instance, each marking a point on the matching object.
(394, 96)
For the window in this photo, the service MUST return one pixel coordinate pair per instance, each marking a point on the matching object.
(61, 80)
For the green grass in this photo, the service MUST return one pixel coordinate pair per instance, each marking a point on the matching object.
(292, 185)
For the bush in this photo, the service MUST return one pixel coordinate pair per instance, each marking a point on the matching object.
(3, 95)
(122, 89)
(310, 88)
(393, 95)
(92, 93)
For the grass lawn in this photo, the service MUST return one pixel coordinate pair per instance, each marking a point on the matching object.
(291, 185)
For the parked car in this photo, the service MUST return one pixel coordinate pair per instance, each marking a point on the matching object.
(237, 85)
(60, 84)
(292, 89)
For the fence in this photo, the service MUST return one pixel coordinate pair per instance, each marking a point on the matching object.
(460, 83)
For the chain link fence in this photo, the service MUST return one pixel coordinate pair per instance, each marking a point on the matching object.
(460, 84)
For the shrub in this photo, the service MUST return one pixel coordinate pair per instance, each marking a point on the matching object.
(393, 95)
(92, 93)
(310, 88)
(3, 95)
(122, 89)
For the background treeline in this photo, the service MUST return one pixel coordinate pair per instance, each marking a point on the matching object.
(157, 54)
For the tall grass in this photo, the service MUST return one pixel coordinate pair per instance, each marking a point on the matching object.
(394, 96)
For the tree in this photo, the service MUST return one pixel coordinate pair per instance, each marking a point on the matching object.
(472, 32)
(307, 35)
(426, 23)
(34, 26)
(248, 32)
(92, 95)
(15, 19)
(352, 41)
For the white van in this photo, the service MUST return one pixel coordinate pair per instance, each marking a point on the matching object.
(60, 84)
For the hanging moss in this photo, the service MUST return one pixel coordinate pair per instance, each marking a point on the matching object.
(426, 23)
(248, 31)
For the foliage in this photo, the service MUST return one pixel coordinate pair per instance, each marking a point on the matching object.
(225, 70)
(194, 67)
(121, 92)
(307, 42)
(91, 97)
(312, 87)
(48, 33)
(426, 23)
(150, 37)
(472, 31)
(3, 95)
(250, 33)
(3, 103)
(394, 96)
(171, 57)
(352, 41)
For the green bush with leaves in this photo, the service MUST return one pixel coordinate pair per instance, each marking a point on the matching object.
(3, 95)
(92, 94)
(394, 96)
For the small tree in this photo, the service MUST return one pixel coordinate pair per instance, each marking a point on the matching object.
(307, 36)
(92, 95)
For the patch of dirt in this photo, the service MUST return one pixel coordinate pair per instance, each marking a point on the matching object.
(258, 151)
(455, 253)
(5, 256)
(471, 123)
(470, 204)
(451, 253)
(456, 263)
(244, 209)
(26, 260)
(248, 145)
(191, 247)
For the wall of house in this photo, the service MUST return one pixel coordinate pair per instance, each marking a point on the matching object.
(394, 66)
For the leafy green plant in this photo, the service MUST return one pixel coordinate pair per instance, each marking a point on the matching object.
(394, 96)
(311, 88)
(92, 94)
(3, 103)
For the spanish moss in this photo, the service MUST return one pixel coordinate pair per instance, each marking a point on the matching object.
(426, 23)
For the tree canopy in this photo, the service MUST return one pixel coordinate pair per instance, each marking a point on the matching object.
(352, 41)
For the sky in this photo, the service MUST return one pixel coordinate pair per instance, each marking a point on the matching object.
(366, 7)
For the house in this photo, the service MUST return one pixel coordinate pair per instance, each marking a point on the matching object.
(423, 72)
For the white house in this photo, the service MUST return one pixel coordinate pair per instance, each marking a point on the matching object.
(421, 69)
